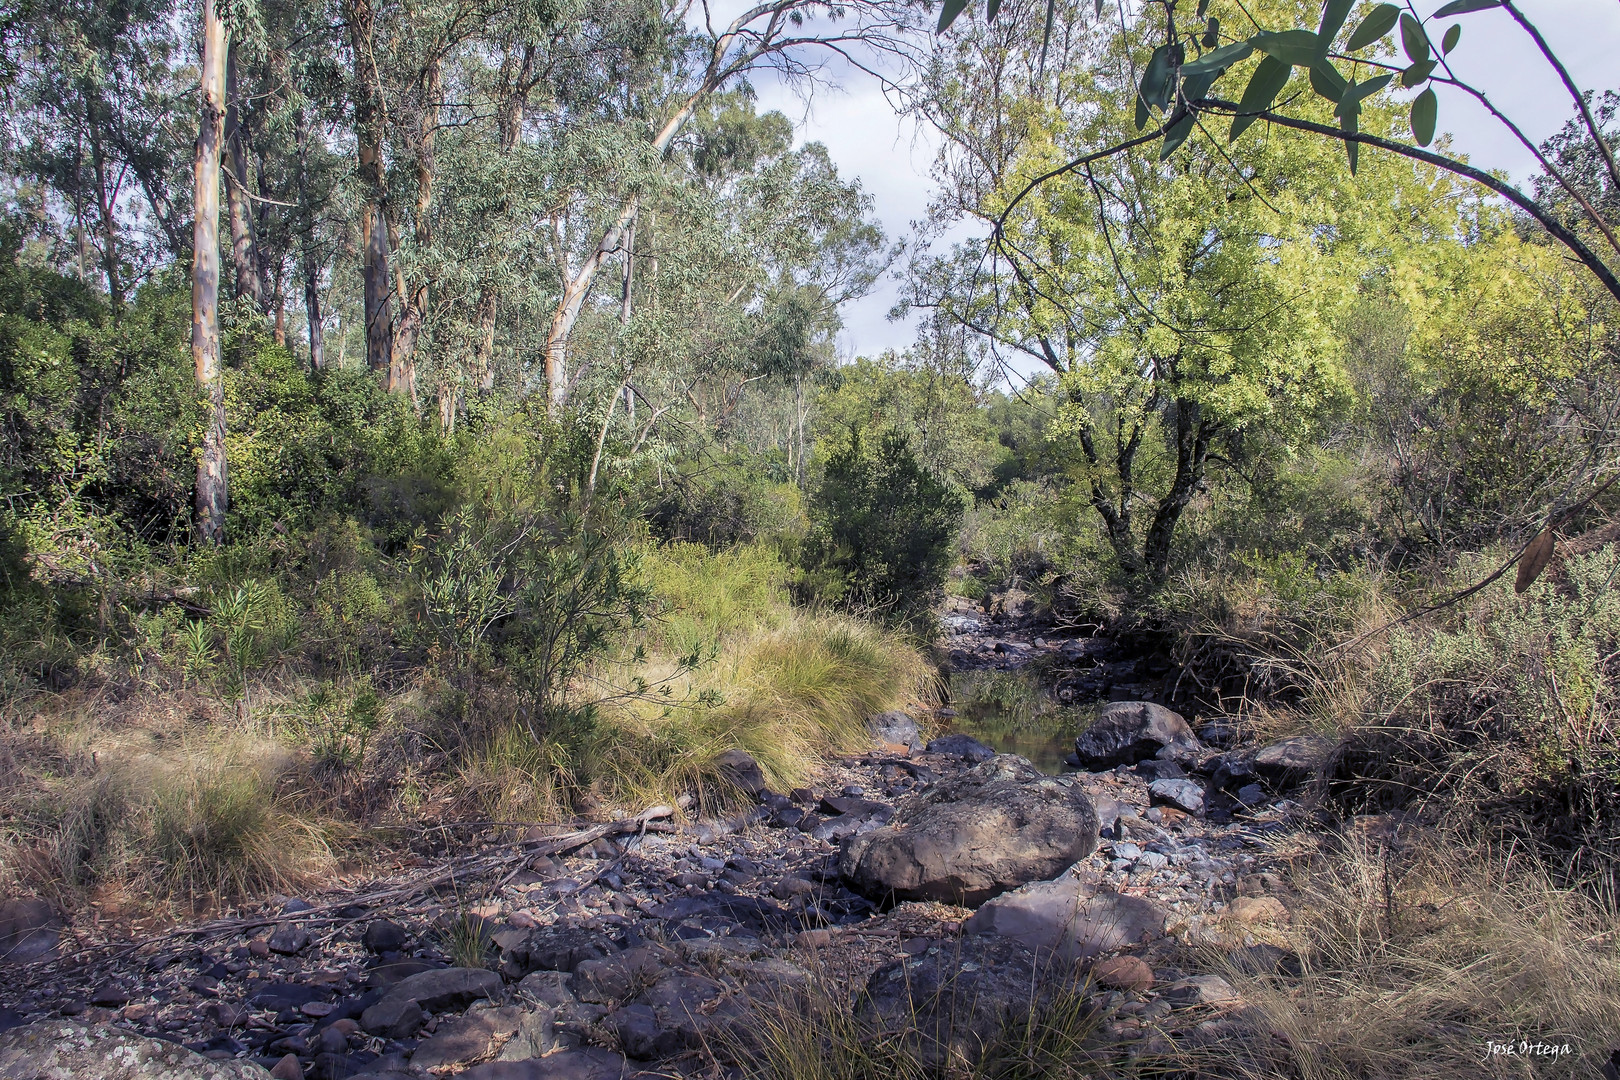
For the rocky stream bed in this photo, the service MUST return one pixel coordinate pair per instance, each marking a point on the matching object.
(902, 883)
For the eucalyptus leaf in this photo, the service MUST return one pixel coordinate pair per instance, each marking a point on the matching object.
(1417, 73)
(1269, 78)
(1203, 8)
(1099, 8)
(1413, 39)
(1379, 21)
(1177, 135)
(1296, 47)
(1452, 37)
(1350, 122)
(1142, 114)
(1326, 81)
(991, 9)
(1195, 87)
(1334, 12)
(1212, 33)
(949, 12)
(1217, 60)
(1156, 86)
(1463, 7)
(1425, 108)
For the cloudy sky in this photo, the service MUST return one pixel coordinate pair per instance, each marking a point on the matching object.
(891, 156)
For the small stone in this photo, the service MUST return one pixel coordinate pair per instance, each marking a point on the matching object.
(641, 1034)
(259, 947)
(288, 1069)
(332, 1041)
(384, 936)
(294, 906)
(1203, 990)
(1123, 973)
(813, 939)
(1184, 794)
(739, 768)
(522, 919)
(29, 929)
(1256, 910)
(289, 940)
(965, 747)
(109, 995)
(316, 1009)
(1251, 795)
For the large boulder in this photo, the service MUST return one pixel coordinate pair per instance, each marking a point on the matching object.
(1071, 918)
(973, 836)
(63, 1050)
(1284, 764)
(399, 1011)
(591, 1064)
(1126, 732)
(739, 768)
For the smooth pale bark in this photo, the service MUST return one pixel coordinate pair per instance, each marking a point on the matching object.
(212, 497)
(578, 285)
(402, 371)
(109, 229)
(244, 259)
(368, 122)
(311, 264)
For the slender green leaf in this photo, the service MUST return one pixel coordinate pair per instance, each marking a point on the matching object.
(1296, 47)
(1203, 8)
(992, 9)
(949, 12)
(1424, 110)
(1142, 114)
(1217, 60)
(1099, 8)
(1326, 81)
(1413, 39)
(1379, 21)
(1176, 136)
(1212, 33)
(1452, 37)
(1417, 73)
(1267, 82)
(1364, 90)
(1350, 122)
(1194, 87)
(1463, 7)
(1334, 12)
(1157, 81)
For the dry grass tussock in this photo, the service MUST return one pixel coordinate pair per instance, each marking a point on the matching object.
(1418, 953)
(164, 812)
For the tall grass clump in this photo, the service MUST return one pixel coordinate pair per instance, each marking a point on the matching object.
(1416, 959)
(196, 825)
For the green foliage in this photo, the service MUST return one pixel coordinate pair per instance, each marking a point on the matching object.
(728, 501)
(883, 527)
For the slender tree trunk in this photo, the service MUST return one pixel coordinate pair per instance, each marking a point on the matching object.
(1193, 435)
(368, 116)
(402, 372)
(484, 350)
(579, 285)
(109, 227)
(243, 257)
(312, 270)
(212, 485)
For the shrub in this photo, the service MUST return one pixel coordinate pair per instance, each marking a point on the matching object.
(884, 528)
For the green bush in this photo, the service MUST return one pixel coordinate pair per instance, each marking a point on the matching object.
(725, 503)
(883, 528)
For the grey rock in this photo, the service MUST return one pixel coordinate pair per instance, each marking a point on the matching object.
(988, 829)
(621, 977)
(895, 728)
(536, 1034)
(1183, 794)
(1070, 918)
(589, 1064)
(29, 929)
(679, 1001)
(384, 936)
(563, 948)
(1202, 990)
(947, 1009)
(1126, 732)
(392, 1018)
(1292, 761)
(740, 769)
(547, 988)
(446, 988)
(641, 1034)
(468, 1038)
(288, 940)
(63, 1050)
(1251, 795)
(965, 747)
